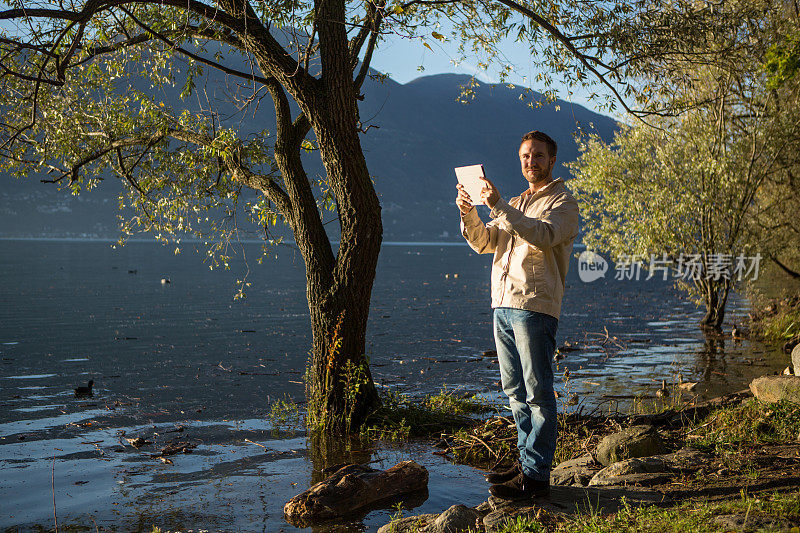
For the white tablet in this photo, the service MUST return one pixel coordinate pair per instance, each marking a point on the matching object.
(470, 177)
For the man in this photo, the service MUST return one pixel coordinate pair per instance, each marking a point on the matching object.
(531, 237)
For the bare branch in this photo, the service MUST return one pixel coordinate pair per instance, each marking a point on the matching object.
(362, 74)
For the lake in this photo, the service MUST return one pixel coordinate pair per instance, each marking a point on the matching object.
(185, 361)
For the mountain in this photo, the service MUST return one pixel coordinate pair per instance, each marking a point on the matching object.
(415, 134)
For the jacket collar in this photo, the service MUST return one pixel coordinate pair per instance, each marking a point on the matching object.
(547, 188)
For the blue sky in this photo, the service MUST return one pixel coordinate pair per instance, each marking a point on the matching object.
(401, 58)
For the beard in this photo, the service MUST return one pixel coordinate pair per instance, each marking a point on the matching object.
(539, 175)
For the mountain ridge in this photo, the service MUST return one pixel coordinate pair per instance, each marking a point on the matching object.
(416, 133)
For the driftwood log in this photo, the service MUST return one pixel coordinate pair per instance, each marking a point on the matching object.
(354, 487)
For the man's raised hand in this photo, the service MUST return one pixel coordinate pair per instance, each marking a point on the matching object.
(489, 194)
(463, 201)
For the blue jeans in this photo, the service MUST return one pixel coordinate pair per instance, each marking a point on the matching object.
(526, 343)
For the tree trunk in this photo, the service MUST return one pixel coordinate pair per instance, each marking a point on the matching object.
(339, 386)
(340, 389)
(715, 297)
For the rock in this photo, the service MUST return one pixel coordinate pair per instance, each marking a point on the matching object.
(796, 360)
(636, 465)
(775, 388)
(409, 524)
(564, 501)
(651, 470)
(456, 519)
(635, 441)
(645, 470)
(496, 519)
(575, 471)
(351, 488)
(686, 460)
(644, 479)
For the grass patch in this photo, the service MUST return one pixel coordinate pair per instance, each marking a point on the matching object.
(781, 326)
(750, 423)
(402, 417)
(493, 442)
(776, 320)
(285, 414)
(450, 401)
(488, 443)
(698, 517)
(579, 435)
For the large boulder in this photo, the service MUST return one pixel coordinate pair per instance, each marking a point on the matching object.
(796, 360)
(635, 441)
(772, 389)
(576, 471)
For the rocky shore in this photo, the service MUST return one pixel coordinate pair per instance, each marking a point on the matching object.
(743, 443)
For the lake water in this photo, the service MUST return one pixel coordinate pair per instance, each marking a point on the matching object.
(185, 361)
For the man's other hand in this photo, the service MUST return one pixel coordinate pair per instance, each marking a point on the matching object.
(489, 194)
(463, 201)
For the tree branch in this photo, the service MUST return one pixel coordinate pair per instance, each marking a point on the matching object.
(233, 72)
(362, 74)
(793, 273)
(556, 33)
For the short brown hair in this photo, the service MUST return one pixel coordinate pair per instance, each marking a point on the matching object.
(552, 147)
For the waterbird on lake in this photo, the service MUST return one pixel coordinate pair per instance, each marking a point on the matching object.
(663, 392)
(85, 391)
(165, 281)
(738, 333)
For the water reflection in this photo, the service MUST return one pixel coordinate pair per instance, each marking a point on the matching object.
(330, 452)
(713, 356)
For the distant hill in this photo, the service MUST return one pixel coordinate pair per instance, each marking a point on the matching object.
(421, 132)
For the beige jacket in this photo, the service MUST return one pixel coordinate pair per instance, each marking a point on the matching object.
(531, 237)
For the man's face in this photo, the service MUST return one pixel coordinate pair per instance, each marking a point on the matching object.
(535, 162)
